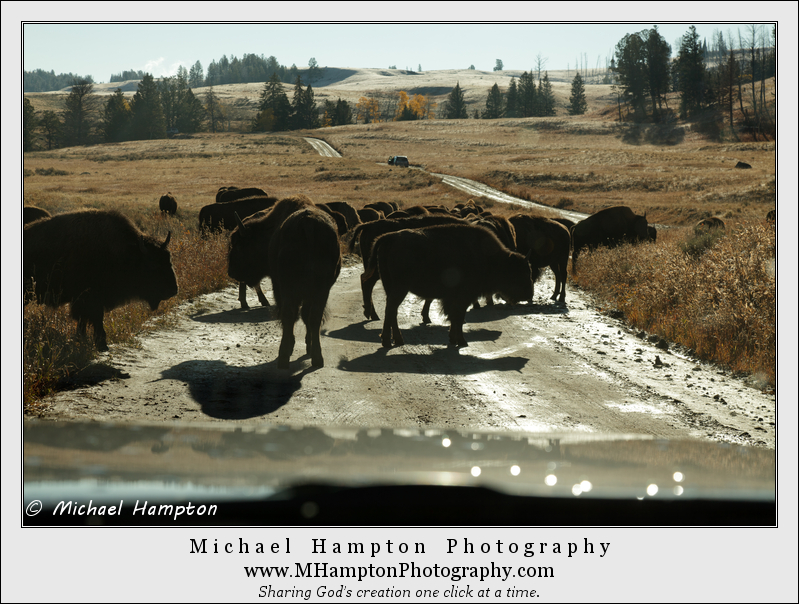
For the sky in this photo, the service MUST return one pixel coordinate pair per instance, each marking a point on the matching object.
(100, 49)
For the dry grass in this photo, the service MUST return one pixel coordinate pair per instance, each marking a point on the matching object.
(715, 294)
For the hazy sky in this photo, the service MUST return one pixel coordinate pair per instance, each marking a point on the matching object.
(100, 49)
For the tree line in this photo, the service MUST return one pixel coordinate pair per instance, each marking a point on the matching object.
(250, 68)
(710, 81)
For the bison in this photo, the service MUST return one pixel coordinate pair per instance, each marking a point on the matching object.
(455, 263)
(95, 260)
(370, 214)
(771, 216)
(709, 223)
(546, 243)
(228, 194)
(367, 233)
(223, 215)
(31, 213)
(168, 204)
(609, 227)
(347, 210)
(249, 245)
(653, 233)
(305, 261)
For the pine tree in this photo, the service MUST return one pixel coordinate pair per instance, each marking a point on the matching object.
(527, 101)
(80, 108)
(493, 108)
(577, 103)
(196, 77)
(29, 124)
(51, 125)
(191, 114)
(456, 104)
(511, 100)
(147, 119)
(658, 61)
(546, 97)
(274, 112)
(116, 118)
(214, 111)
(691, 68)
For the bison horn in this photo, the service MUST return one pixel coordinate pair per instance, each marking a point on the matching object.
(241, 224)
(166, 242)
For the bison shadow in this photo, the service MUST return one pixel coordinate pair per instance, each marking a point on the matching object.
(449, 359)
(91, 375)
(422, 333)
(258, 314)
(229, 392)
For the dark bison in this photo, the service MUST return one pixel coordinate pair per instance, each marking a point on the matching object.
(223, 215)
(505, 232)
(709, 223)
(609, 227)
(455, 263)
(653, 233)
(95, 260)
(370, 214)
(228, 194)
(338, 218)
(383, 206)
(168, 204)
(546, 243)
(366, 234)
(569, 224)
(31, 213)
(742, 165)
(771, 216)
(305, 261)
(347, 210)
(249, 245)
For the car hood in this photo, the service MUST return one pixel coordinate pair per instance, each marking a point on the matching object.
(446, 476)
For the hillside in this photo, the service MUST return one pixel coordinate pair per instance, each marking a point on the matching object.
(350, 84)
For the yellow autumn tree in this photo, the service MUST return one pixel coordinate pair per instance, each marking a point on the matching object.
(417, 108)
(367, 110)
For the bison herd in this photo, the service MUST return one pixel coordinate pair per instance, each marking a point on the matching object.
(98, 260)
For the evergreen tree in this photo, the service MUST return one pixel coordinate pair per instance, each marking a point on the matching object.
(314, 73)
(29, 124)
(456, 104)
(191, 114)
(51, 125)
(546, 97)
(691, 68)
(81, 105)
(631, 70)
(196, 75)
(147, 117)
(214, 111)
(493, 108)
(499, 66)
(116, 118)
(577, 103)
(527, 95)
(304, 111)
(275, 109)
(658, 62)
(511, 100)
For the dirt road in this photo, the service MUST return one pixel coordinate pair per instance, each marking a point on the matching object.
(537, 367)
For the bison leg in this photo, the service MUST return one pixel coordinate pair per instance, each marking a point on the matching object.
(457, 317)
(368, 281)
(261, 296)
(390, 325)
(426, 311)
(243, 295)
(289, 315)
(312, 318)
(90, 313)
